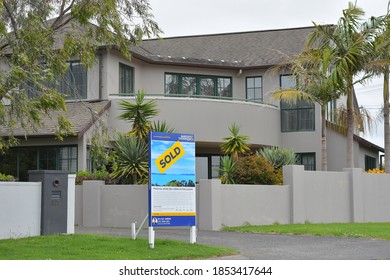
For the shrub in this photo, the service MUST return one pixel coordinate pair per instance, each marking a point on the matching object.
(255, 170)
(8, 178)
(376, 171)
(101, 175)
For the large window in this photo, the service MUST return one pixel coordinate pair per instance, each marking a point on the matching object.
(17, 161)
(308, 160)
(126, 79)
(187, 84)
(297, 116)
(369, 162)
(73, 84)
(254, 88)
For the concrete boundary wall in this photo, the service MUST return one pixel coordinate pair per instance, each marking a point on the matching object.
(307, 196)
(20, 209)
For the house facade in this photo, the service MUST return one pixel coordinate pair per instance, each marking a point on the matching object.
(201, 84)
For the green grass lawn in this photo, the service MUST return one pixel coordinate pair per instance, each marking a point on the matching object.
(98, 247)
(356, 230)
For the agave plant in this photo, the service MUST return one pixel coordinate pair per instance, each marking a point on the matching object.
(161, 127)
(131, 160)
(278, 157)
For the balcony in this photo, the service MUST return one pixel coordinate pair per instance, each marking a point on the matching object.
(209, 117)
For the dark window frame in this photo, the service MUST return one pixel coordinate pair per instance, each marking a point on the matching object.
(198, 78)
(254, 88)
(301, 156)
(126, 71)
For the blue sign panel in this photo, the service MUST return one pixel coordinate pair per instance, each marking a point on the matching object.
(172, 192)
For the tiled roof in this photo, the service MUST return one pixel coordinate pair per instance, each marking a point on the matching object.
(81, 114)
(232, 50)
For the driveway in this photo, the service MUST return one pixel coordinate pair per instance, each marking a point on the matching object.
(255, 246)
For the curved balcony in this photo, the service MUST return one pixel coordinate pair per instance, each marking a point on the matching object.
(209, 118)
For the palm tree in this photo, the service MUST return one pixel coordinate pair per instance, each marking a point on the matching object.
(311, 70)
(235, 144)
(348, 43)
(380, 65)
(139, 113)
(131, 159)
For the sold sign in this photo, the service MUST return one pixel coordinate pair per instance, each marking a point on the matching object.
(169, 157)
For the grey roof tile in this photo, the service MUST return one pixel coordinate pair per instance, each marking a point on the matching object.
(81, 114)
(232, 50)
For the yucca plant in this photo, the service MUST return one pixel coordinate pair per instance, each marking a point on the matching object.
(235, 144)
(139, 113)
(161, 127)
(131, 160)
(225, 170)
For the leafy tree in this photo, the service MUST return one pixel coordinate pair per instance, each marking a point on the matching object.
(235, 143)
(131, 160)
(37, 38)
(311, 69)
(139, 113)
(379, 64)
(348, 44)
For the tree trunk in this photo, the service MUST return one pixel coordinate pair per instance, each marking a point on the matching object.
(350, 126)
(324, 156)
(386, 119)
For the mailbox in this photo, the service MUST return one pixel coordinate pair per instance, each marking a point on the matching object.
(54, 204)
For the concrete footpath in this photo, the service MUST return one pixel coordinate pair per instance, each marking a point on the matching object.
(255, 246)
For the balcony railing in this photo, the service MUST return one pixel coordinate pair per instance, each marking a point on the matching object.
(225, 98)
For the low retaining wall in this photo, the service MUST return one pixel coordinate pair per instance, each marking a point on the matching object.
(20, 209)
(307, 196)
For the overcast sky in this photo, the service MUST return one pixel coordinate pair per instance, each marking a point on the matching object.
(196, 17)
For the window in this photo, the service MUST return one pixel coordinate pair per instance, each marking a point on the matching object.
(126, 79)
(187, 84)
(331, 111)
(308, 160)
(74, 82)
(17, 161)
(295, 117)
(369, 162)
(254, 88)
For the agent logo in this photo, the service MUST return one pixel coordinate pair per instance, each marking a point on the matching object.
(169, 157)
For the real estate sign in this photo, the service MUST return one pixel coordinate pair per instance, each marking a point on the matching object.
(172, 192)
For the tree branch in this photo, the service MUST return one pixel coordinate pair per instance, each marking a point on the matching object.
(12, 18)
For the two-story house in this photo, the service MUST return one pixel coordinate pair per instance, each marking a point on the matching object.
(202, 84)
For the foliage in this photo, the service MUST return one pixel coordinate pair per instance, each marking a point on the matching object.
(278, 156)
(37, 38)
(99, 247)
(4, 177)
(235, 144)
(161, 127)
(139, 113)
(131, 160)
(100, 175)
(376, 171)
(355, 230)
(226, 169)
(348, 47)
(98, 146)
(255, 170)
